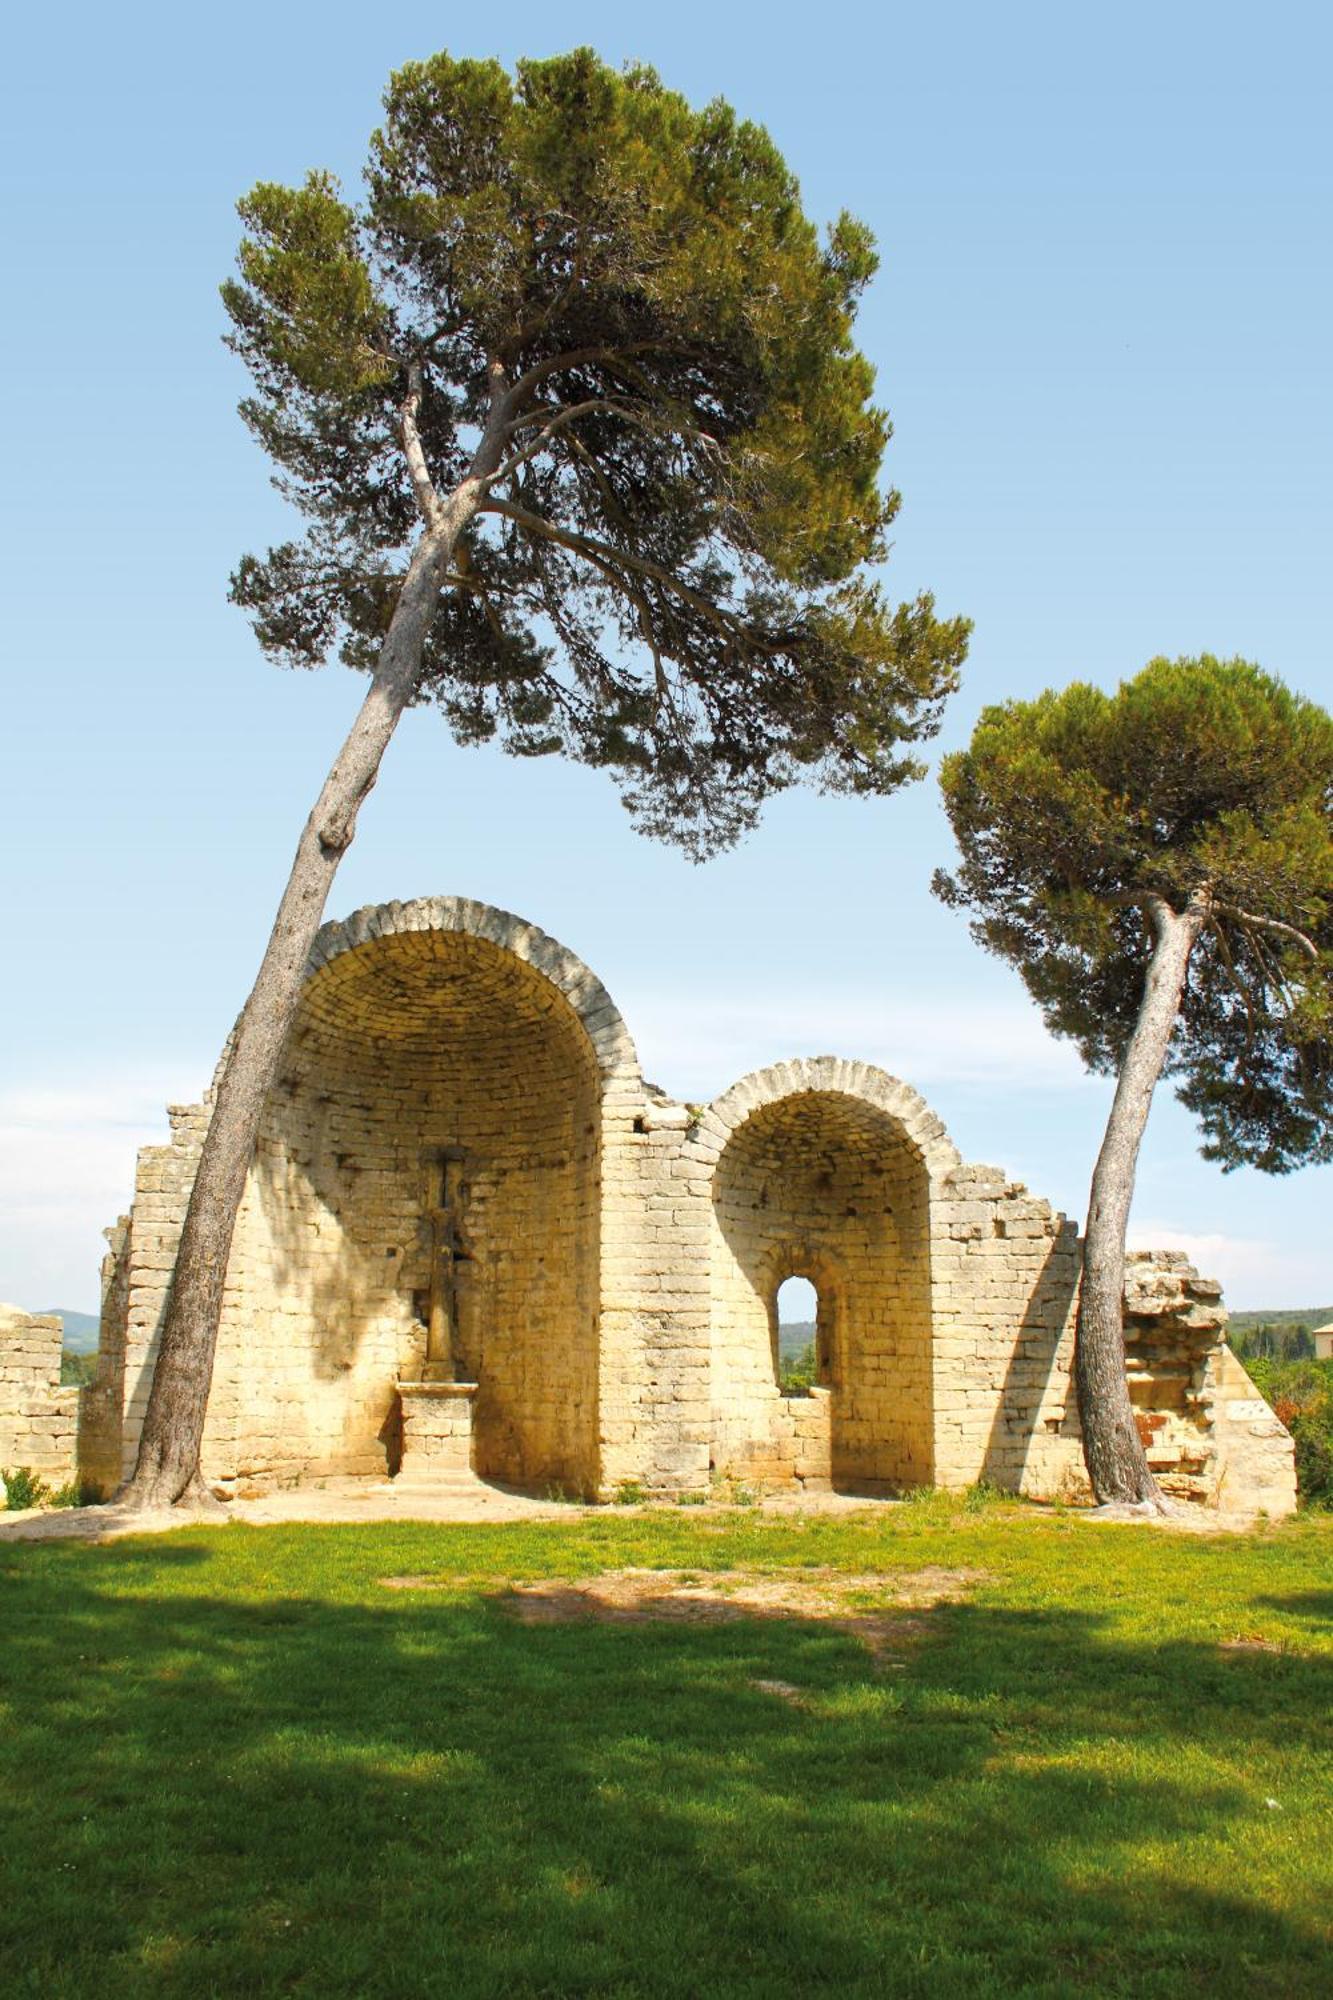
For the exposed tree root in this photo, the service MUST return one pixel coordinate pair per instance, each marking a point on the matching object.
(152, 1488)
(1156, 1507)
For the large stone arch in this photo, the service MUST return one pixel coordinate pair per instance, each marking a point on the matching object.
(612, 1045)
(825, 1169)
(432, 1036)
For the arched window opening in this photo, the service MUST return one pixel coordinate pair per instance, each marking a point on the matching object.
(802, 1359)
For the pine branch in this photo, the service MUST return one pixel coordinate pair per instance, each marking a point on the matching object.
(582, 357)
(428, 500)
(603, 552)
(1251, 922)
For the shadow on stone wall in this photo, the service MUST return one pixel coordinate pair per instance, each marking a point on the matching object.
(299, 1193)
(1018, 1423)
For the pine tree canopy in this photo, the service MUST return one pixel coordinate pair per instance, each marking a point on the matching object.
(1200, 781)
(669, 572)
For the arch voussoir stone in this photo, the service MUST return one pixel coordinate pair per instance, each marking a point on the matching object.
(838, 1076)
(572, 979)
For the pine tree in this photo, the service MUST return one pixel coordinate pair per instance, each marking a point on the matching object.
(1158, 864)
(588, 459)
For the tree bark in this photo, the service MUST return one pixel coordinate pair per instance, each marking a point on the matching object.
(167, 1468)
(1112, 1448)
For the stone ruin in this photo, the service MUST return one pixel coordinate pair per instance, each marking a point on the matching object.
(475, 1242)
(39, 1420)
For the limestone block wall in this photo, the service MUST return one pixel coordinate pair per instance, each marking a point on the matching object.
(1208, 1434)
(136, 1275)
(38, 1419)
(409, 1052)
(657, 1425)
(620, 1255)
(102, 1401)
(1255, 1462)
(429, 1030)
(948, 1352)
(1004, 1270)
(1006, 1276)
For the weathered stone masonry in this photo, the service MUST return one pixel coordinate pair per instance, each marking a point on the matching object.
(461, 1129)
(38, 1419)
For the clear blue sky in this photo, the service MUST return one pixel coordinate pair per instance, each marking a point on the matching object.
(1102, 327)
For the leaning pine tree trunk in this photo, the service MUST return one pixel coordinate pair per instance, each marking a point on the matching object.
(167, 1469)
(1117, 1465)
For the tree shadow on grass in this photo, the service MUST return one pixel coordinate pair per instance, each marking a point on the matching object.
(1316, 1605)
(252, 1795)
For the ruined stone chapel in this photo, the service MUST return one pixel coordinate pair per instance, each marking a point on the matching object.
(475, 1242)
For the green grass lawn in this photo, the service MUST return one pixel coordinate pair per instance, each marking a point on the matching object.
(232, 1762)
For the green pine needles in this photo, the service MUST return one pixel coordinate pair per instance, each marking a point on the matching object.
(1199, 780)
(668, 573)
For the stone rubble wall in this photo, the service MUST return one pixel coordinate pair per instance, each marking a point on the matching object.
(102, 1401)
(38, 1419)
(143, 1254)
(1208, 1433)
(1007, 1276)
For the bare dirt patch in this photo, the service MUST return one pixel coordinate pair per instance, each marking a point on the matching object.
(884, 1612)
(1250, 1642)
(784, 1691)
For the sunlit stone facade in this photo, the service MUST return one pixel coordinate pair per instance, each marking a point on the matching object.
(463, 1178)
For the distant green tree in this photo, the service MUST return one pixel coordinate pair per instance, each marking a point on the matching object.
(589, 460)
(1284, 1339)
(1258, 1343)
(1301, 1393)
(800, 1370)
(1158, 864)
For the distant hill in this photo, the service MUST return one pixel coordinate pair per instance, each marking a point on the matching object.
(1311, 1316)
(78, 1330)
